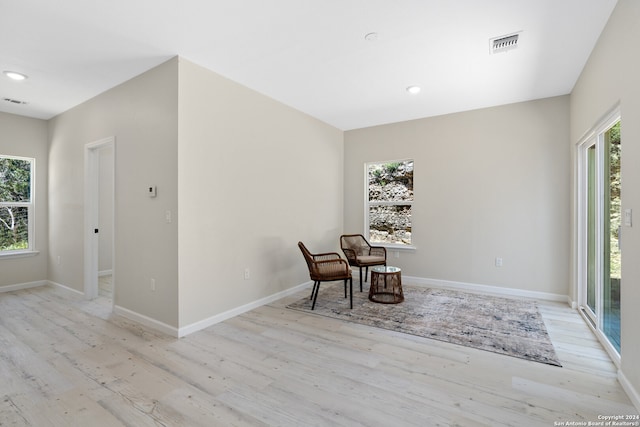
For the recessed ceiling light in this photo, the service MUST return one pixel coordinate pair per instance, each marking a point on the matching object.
(413, 90)
(15, 75)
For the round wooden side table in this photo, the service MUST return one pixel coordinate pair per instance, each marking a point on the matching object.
(386, 285)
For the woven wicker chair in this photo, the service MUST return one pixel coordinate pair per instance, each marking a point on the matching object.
(327, 267)
(360, 253)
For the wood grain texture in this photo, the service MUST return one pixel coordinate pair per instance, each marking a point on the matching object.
(69, 362)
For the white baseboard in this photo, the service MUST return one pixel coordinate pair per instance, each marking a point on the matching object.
(486, 289)
(146, 321)
(64, 287)
(19, 286)
(194, 327)
(129, 314)
(633, 394)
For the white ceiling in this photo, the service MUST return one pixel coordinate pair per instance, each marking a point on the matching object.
(309, 54)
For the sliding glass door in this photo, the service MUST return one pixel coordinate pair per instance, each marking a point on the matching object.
(600, 227)
(612, 214)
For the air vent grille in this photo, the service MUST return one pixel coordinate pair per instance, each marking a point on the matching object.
(504, 43)
(14, 101)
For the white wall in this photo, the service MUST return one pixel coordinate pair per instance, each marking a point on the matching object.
(142, 115)
(488, 183)
(611, 76)
(255, 177)
(22, 136)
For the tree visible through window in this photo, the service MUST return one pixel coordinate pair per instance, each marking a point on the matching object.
(389, 202)
(16, 203)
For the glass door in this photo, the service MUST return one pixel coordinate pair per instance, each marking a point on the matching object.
(612, 277)
(601, 228)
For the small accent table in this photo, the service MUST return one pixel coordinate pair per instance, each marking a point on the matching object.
(386, 285)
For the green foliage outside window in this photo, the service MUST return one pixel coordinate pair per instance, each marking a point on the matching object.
(15, 198)
(613, 134)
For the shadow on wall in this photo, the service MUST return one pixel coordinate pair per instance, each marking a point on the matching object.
(283, 257)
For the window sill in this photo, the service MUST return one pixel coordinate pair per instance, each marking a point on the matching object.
(396, 247)
(18, 254)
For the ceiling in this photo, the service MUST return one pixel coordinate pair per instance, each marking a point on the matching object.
(309, 54)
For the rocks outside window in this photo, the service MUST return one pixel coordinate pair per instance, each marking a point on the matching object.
(390, 199)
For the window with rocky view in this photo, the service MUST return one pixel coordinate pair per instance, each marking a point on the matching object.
(389, 201)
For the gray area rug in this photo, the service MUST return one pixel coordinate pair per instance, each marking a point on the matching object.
(501, 325)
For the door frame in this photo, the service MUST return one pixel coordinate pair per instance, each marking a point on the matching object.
(91, 215)
(583, 223)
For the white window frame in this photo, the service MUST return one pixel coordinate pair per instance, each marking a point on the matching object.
(30, 205)
(368, 204)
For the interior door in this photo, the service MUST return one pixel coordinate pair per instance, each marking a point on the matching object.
(92, 215)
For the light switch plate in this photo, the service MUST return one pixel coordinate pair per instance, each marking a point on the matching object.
(627, 217)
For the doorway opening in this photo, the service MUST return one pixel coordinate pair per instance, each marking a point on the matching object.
(99, 269)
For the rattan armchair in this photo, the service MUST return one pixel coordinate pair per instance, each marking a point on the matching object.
(327, 267)
(360, 253)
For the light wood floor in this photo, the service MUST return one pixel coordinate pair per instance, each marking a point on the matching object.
(105, 286)
(69, 362)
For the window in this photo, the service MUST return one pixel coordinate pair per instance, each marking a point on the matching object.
(16, 204)
(388, 202)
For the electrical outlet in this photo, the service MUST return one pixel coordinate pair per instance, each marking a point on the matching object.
(498, 262)
(58, 260)
(247, 274)
(397, 254)
(153, 284)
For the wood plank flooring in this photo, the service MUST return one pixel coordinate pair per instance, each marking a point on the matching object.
(69, 362)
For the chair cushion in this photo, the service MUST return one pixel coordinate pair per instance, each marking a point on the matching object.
(370, 259)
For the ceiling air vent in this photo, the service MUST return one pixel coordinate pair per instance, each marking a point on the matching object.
(14, 101)
(504, 43)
